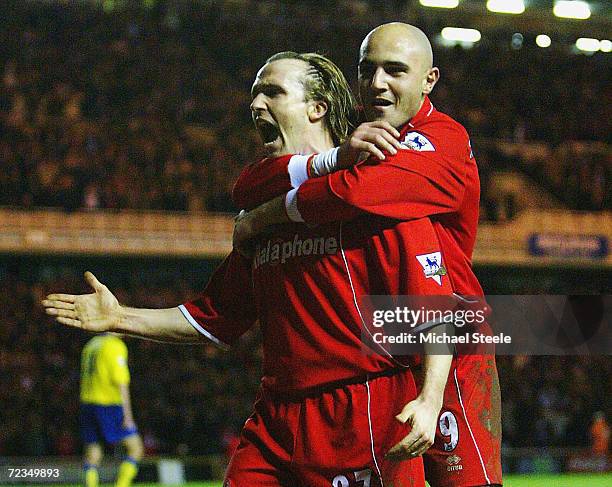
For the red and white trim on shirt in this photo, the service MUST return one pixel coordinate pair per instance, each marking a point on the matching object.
(200, 329)
(291, 206)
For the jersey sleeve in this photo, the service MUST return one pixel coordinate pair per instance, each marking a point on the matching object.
(267, 179)
(411, 184)
(226, 309)
(116, 357)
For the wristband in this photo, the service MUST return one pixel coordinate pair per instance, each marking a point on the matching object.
(298, 170)
(325, 162)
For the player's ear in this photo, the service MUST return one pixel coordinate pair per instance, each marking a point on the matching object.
(317, 109)
(431, 78)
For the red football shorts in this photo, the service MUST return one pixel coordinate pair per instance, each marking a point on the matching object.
(336, 438)
(467, 448)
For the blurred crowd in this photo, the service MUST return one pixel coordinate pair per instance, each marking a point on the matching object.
(573, 174)
(185, 398)
(194, 399)
(552, 401)
(118, 112)
(147, 107)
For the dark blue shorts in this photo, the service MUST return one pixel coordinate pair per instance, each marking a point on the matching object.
(103, 422)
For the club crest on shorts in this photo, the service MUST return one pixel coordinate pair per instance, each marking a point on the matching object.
(418, 142)
(432, 266)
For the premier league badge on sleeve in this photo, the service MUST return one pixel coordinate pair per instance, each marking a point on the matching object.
(432, 266)
(418, 142)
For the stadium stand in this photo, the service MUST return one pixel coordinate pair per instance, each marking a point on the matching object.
(149, 108)
(146, 108)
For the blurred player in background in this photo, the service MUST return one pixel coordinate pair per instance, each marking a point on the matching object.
(328, 413)
(106, 411)
(436, 178)
(600, 434)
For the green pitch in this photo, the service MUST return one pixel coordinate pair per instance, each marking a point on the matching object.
(567, 480)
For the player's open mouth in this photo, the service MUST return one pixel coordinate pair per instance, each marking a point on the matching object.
(267, 130)
(381, 102)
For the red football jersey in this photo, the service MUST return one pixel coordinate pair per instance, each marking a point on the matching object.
(304, 285)
(435, 177)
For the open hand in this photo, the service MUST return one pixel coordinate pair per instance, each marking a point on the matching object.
(99, 311)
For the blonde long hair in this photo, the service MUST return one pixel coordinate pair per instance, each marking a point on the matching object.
(325, 82)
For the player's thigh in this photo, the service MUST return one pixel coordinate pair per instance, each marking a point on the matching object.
(263, 456)
(110, 421)
(249, 466)
(467, 448)
(344, 435)
(88, 423)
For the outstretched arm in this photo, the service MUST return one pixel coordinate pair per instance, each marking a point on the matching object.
(223, 312)
(100, 311)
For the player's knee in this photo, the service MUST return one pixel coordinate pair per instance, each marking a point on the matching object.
(93, 454)
(134, 447)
